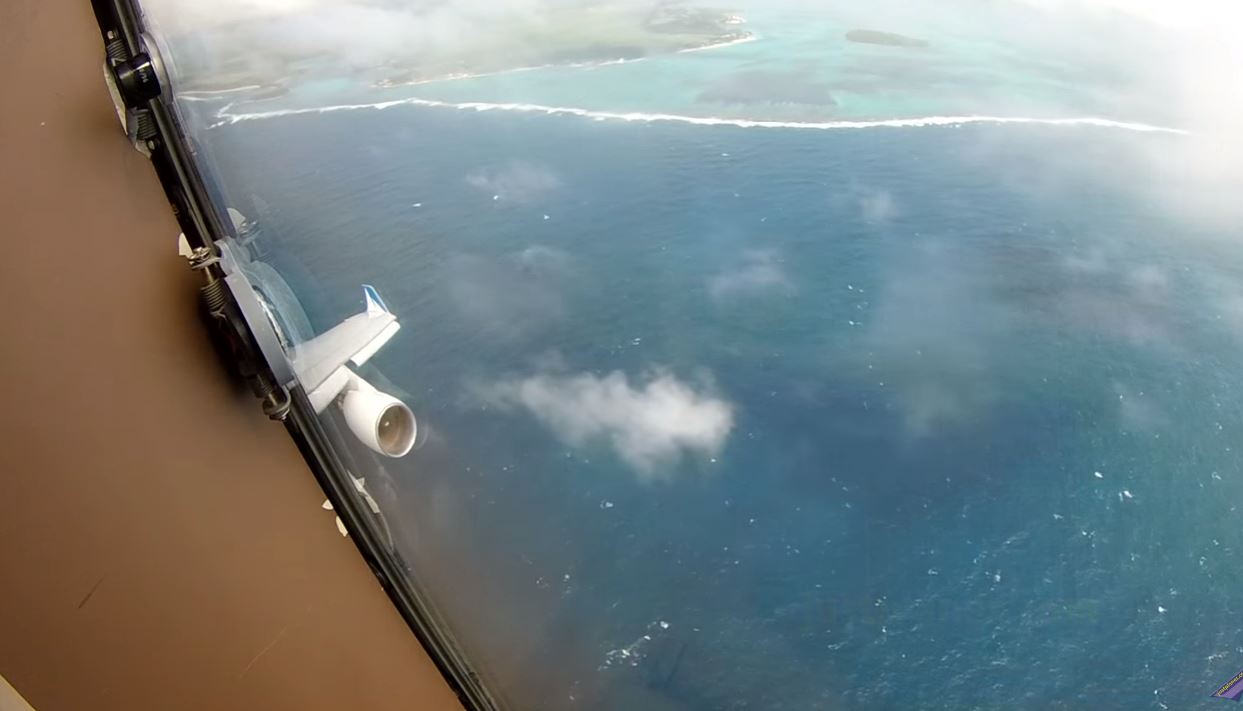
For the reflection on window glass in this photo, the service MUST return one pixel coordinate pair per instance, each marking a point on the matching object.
(770, 354)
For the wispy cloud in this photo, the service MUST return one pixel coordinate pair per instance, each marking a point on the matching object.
(516, 181)
(512, 297)
(760, 272)
(543, 259)
(935, 332)
(1103, 292)
(1137, 410)
(877, 206)
(651, 423)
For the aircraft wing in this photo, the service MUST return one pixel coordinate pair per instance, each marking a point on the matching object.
(320, 363)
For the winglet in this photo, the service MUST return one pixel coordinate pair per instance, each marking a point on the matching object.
(375, 305)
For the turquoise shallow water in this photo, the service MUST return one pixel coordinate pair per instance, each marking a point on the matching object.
(790, 58)
(795, 70)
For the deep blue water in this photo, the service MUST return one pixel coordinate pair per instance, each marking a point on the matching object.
(929, 342)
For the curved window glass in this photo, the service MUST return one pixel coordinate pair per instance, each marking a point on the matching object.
(777, 355)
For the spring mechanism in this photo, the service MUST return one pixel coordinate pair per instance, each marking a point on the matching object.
(116, 50)
(147, 128)
(214, 296)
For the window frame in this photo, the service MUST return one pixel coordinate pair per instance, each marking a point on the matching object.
(256, 350)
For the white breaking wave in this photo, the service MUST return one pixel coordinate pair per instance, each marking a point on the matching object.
(719, 45)
(225, 117)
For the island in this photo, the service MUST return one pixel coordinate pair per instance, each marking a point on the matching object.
(226, 62)
(582, 34)
(888, 39)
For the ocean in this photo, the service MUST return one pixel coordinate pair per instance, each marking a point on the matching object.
(911, 411)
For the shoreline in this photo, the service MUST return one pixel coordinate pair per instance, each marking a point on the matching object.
(718, 45)
(460, 76)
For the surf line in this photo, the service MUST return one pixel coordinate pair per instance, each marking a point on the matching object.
(226, 117)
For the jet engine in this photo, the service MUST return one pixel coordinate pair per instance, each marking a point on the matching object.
(379, 420)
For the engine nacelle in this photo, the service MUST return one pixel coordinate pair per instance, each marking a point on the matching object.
(379, 420)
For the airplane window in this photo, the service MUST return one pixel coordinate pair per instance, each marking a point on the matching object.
(769, 354)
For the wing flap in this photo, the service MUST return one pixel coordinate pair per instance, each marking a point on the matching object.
(318, 362)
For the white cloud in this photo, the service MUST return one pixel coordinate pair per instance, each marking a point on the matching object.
(1181, 59)
(271, 37)
(651, 424)
(761, 272)
(1182, 15)
(187, 14)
